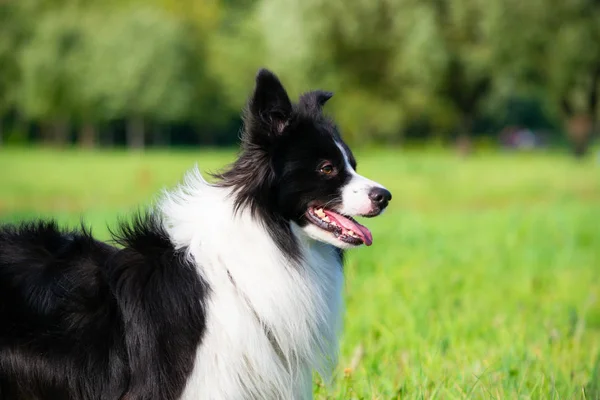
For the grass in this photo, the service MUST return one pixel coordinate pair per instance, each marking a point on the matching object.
(483, 281)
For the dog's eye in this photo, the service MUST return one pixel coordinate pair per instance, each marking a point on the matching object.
(327, 169)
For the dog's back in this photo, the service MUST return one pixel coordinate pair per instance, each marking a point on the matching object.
(80, 319)
(51, 283)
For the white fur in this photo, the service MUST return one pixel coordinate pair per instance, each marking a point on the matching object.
(355, 194)
(355, 201)
(301, 305)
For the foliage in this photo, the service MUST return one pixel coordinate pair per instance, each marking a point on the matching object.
(48, 63)
(138, 60)
(11, 27)
(557, 55)
(176, 65)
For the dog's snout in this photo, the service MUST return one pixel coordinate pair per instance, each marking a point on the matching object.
(380, 197)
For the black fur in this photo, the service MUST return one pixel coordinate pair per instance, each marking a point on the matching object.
(276, 174)
(80, 319)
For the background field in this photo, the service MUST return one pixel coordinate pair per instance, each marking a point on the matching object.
(483, 280)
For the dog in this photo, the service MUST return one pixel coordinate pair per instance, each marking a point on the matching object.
(225, 290)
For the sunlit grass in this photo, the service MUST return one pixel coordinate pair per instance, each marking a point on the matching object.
(483, 280)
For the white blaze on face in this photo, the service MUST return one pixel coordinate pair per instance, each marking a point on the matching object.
(355, 193)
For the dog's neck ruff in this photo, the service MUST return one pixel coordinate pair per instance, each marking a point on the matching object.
(271, 319)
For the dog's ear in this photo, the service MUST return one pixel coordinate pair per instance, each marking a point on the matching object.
(315, 100)
(270, 104)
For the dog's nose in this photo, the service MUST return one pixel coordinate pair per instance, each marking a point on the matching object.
(380, 197)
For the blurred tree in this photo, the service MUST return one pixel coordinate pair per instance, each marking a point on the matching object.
(186, 67)
(137, 64)
(7, 67)
(48, 72)
(210, 112)
(235, 52)
(449, 57)
(552, 46)
(391, 58)
(13, 31)
(574, 70)
(340, 46)
(358, 50)
(86, 107)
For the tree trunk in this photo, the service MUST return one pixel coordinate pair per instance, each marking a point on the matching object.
(60, 133)
(107, 136)
(87, 136)
(104, 138)
(464, 144)
(21, 127)
(593, 101)
(579, 129)
(135, 133)
(581, 126)
(157, 136)
(47, 133)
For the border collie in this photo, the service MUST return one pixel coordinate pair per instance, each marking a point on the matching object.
(223, 290)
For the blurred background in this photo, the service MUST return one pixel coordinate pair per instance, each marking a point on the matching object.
(481, 117)
(176, 72)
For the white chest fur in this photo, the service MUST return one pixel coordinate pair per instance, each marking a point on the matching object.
(270, 321)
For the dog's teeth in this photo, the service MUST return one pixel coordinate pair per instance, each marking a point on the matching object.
(320, 212)
(325, 218)
(333, 223)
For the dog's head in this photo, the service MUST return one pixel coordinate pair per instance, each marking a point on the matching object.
(295, 167)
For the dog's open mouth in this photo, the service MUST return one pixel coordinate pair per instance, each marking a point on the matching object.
(342, 227)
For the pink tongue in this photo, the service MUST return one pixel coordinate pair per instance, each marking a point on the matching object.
(362, 231)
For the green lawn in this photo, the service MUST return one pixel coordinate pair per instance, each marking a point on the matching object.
(483, 280)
